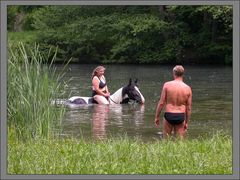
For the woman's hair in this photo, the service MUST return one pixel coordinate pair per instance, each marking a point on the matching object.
(96, 70)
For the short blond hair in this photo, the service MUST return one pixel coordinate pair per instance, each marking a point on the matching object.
(96, 70)
(178, 70)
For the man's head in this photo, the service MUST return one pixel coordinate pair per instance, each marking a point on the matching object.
(178, 71)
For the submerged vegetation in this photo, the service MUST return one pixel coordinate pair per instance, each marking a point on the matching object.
(121, 156)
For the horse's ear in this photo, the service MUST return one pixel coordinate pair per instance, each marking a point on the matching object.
(136, 80)
(130, 81)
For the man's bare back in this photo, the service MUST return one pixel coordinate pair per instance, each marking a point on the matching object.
(176, 97)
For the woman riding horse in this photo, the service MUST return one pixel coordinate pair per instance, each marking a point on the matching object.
(126, 94)
(100, 91)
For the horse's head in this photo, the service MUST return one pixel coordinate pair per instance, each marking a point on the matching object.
(133, 93)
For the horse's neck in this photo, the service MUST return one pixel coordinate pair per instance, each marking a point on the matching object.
(116, 98)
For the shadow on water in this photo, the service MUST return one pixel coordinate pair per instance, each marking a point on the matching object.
(211, 110)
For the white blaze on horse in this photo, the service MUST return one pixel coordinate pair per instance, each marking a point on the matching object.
(129, 93)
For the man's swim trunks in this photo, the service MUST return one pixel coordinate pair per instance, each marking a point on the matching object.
(174, 118)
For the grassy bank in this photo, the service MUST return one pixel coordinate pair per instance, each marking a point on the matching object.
(121, 156)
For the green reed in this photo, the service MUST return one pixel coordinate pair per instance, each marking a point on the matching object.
(31, 85)
(211, 155)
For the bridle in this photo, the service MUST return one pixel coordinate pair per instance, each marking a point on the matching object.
(113, 100)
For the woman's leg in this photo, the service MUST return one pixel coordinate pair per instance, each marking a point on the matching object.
(100, 99)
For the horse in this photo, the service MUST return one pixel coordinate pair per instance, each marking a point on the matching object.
(126, 94)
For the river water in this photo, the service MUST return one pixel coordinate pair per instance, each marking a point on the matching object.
(211, 109)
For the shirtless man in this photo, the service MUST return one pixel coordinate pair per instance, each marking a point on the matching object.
(176, 96)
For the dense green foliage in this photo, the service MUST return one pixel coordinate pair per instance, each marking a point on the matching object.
(212, 155)
(21, 17)
(25, 37)
(31, 86)
(136, 34)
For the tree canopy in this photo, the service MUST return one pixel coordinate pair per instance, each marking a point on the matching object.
(132, 34)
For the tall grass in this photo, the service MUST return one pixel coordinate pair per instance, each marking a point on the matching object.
(212, 155)
(31, 85)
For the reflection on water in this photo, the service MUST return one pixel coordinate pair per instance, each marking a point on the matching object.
(99, 121)
(102, 121)
(105, 116)
(211, 111)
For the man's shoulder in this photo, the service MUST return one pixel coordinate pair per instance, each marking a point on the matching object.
(187, 85)
(173, 83)
(187, 88)
(168, 82)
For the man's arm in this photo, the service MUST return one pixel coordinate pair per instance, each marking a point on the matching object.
(160, 105)
(188, 109)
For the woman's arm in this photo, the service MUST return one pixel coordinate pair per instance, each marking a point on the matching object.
(106, 87)
(95, 83)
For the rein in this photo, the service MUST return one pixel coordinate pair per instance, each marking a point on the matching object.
(112, 100)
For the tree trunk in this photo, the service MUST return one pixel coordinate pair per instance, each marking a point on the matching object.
(214, 30)
(206, 20)
(18, 22)
(162, 11)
